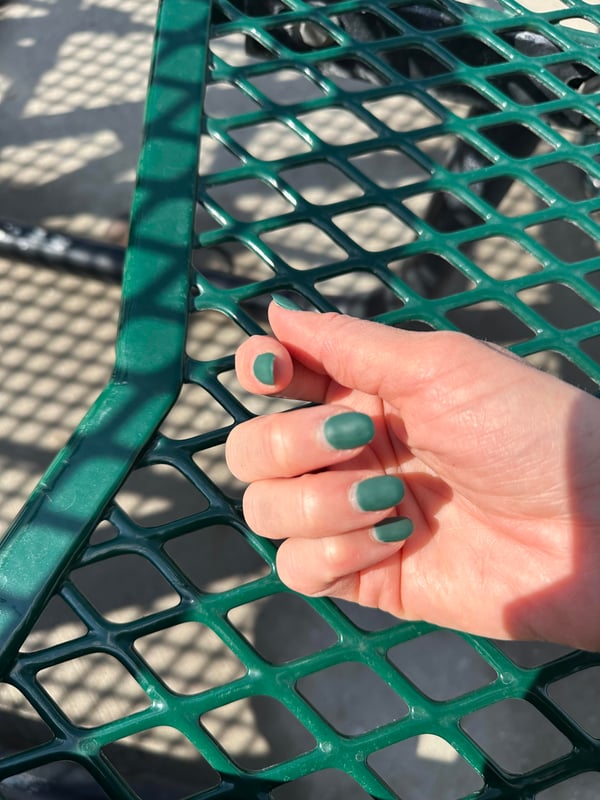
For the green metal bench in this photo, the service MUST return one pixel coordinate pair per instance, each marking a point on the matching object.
(362, 155)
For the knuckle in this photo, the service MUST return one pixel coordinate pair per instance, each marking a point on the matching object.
(281, 451)
(253, 510)
(337, 558)
(307, 505)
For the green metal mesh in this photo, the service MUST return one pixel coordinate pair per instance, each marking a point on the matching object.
(317, 185)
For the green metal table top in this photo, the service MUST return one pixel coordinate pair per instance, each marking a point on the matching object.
(403, 161)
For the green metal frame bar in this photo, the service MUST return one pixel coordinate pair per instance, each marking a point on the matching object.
(56, 522)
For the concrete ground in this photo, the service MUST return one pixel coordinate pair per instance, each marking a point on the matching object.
(72, 82)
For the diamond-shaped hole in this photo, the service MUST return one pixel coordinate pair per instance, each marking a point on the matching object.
(230, 264)
(204, 221)
(425, 766)
(337, 126)
(57, 623)
(593, 277)
(567, 70)
(559, 365)
(413, 325)
(473, 51)
(322, 184)
(526, 38)
(581, 787)
(258, 732)
(542, 146)
(442, 665)
(287, 86)
(523, 88)
(492, 321)
(233, 49)
(103, 532)
(462, 99)
(93, 690)
(586, 24)
(302, 36)
(528, 741)
(59, 779)
(389, 168)
(578, 696)
(439, 148)
(217, 559)
(401, 112)
(515, 201)
(282, 627)
(352, 698)
(559, 305)
(20, 725)
(367, 619)
(223, 100)
(566, 178)
(215, 157)
(257, 10)
(303, 246)
(190, 658)
(591, 347)
(365, 26)
(500, 258)
(137, 588)
(269, 141)
(456, 214)
(414, 62)
(159, 494)
(250, 200)
(532, 654)
(375, 228)
(431, 275)
(211, 461)
(351, 73)
(161, 763)
(327, 785)
(359, 294)
(428, 16)
(195, 412)
(212, 335)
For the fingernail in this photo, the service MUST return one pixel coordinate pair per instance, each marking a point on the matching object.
(264, 368)
(375, 494)
(283, 302)
(394, 529)
(348, 430)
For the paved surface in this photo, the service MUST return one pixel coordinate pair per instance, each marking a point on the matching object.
(72, 81)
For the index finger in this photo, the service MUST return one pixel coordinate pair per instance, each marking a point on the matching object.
(264, 366)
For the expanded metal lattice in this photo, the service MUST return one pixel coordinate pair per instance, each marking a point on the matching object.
(425, 165)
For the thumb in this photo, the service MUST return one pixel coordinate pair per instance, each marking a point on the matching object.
(393, 364)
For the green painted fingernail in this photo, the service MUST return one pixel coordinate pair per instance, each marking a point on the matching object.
(394, 529)
(348, 430)
(283, 302)
(375, 494)
(264, 368)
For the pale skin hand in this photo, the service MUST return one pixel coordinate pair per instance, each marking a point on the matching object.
(501, 464)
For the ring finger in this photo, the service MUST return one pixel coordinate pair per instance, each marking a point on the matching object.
(321, 504)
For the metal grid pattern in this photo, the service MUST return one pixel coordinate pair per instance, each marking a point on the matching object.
(369, 100)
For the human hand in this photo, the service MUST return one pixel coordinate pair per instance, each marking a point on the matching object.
(500, 463)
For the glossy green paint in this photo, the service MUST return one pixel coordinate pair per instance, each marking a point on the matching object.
(122, 430)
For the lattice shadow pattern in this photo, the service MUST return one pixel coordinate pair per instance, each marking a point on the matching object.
(428, 166)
